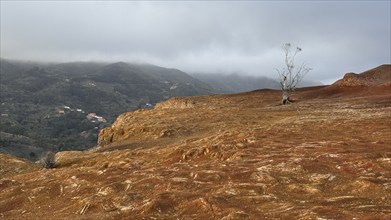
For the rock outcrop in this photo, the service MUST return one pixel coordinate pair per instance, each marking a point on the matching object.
(374, 77)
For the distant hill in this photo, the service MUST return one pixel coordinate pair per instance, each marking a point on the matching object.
(376, 76)
(373, 81)
(236, 83)
(44, 106)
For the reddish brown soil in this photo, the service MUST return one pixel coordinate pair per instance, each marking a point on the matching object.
(242, 156)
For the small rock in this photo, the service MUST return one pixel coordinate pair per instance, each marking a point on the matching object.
(262, 177)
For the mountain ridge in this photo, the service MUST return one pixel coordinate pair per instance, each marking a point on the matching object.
(44, 106)
(236, 83)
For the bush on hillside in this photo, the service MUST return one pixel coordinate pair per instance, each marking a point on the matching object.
(48, 160)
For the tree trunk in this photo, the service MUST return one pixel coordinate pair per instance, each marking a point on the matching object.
(285, 97)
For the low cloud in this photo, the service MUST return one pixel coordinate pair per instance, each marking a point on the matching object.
(218, 37)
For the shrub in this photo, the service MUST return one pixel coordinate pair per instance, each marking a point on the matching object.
(48, 160)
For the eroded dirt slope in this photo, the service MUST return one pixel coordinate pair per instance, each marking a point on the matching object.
(240, 156)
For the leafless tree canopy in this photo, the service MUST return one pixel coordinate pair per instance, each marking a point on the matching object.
(290, 75)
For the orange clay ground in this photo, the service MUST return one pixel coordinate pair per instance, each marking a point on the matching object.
(242, 156)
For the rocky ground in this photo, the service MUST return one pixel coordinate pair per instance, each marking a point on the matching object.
(243, 156)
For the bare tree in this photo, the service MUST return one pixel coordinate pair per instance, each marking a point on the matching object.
(290, 75)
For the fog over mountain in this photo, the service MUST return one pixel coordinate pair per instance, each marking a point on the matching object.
(203, 37)
(235, 83)
(182, 109)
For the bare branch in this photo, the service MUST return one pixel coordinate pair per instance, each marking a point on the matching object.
(290, 76)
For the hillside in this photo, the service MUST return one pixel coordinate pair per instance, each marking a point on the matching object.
(236, 83)
(370, 82)
(242, 156)
(44, 106)
(380, 75)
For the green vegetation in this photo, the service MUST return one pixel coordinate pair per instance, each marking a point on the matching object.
(39, 102)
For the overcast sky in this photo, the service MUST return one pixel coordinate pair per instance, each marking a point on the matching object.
(220, 37)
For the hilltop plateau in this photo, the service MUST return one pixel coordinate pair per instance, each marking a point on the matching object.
(239, 156)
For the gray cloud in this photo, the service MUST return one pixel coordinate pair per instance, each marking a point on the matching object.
(233, 36)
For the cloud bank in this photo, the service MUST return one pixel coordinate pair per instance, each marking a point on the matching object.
(218, 37)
